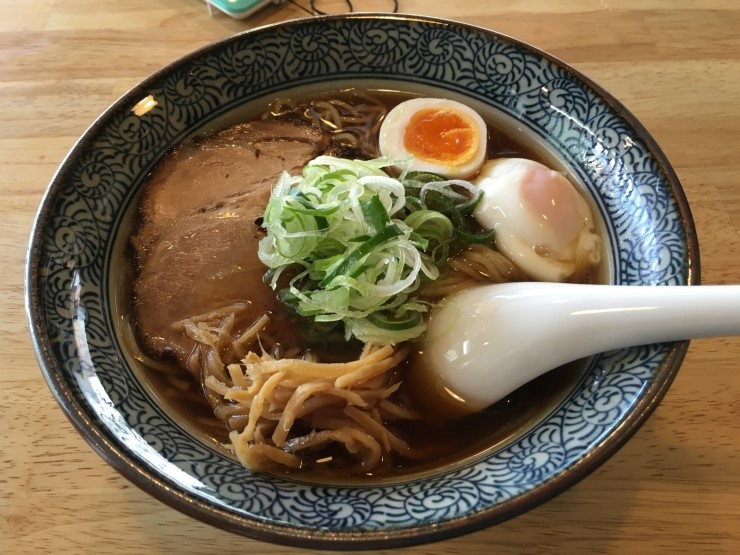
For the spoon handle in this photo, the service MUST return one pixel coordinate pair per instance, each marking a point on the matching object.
(614, 316)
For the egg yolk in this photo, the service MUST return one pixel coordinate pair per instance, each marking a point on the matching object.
(439, 135)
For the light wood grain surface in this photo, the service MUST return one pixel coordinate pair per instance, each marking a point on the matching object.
(674, 488)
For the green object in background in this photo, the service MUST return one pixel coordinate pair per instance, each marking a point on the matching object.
(240, 8)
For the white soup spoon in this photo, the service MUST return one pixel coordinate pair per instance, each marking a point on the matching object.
(486, 342)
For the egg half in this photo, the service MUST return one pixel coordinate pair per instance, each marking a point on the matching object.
(443, 136)
(541, 221)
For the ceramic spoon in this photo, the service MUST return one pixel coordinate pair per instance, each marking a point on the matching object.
(484, 343)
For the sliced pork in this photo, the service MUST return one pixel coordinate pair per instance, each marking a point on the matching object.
(195, 243)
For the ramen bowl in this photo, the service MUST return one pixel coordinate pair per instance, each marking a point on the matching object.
(71, 280)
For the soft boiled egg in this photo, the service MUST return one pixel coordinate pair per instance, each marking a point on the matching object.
(541, 222)
(443, 137)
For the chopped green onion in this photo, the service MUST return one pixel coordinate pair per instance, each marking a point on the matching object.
(413, 319)
(355, 256)
(362, 242)
(375, 213)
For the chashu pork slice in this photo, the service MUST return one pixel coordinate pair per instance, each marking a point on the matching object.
(243, 158)
(196, 236)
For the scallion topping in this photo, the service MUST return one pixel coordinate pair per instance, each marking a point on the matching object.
(358, 243)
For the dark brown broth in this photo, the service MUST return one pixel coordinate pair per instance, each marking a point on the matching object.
(443, 440)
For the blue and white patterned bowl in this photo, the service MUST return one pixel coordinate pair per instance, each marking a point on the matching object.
(70, 286)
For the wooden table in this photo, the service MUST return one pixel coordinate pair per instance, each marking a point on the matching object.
(674, 488)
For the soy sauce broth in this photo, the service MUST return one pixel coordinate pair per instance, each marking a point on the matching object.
(444, 441)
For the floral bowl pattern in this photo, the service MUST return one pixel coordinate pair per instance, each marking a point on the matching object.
(647, 223)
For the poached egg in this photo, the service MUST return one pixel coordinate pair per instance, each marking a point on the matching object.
(541, 222)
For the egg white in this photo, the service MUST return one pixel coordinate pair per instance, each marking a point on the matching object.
(392, 131)
(541, 221)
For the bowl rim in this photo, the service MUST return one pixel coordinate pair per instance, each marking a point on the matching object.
(382, 538)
